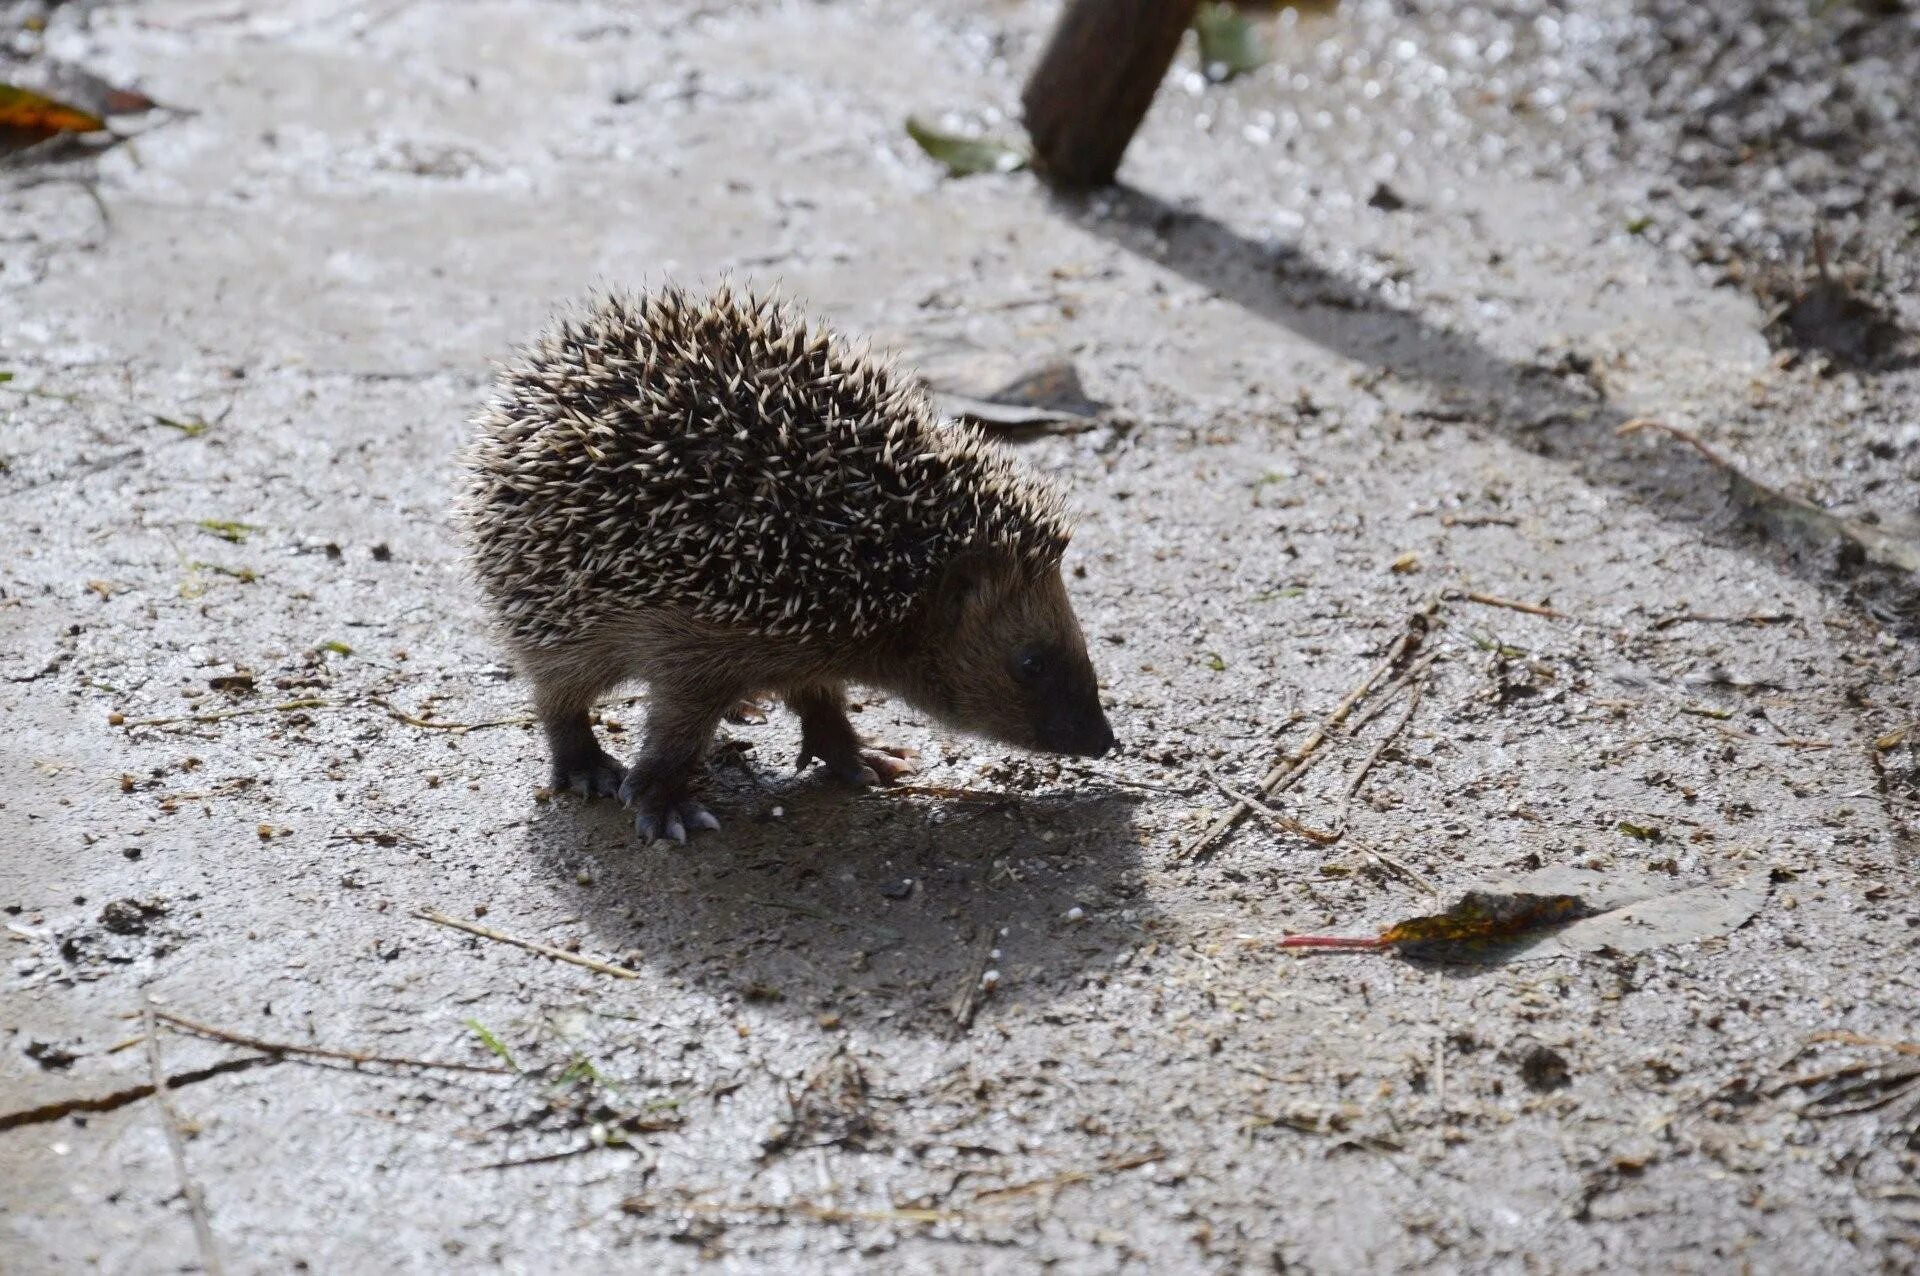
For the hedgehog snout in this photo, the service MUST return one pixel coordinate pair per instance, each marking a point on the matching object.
(1076, 725)
(1091, 741)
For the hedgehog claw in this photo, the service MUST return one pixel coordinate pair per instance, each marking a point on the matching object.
(597, 777)
(669, 820)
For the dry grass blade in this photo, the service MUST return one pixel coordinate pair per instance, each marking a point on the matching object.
(1286, 824)
(800, 1209)
(1791, 519)
(428, 724)
(177, 1148)
(285, 706)
(966, 1002)
(1289, 770)
(1855, 1039)
(212, 1033)
(1491, 600)
(545, 950)
(992, 1194)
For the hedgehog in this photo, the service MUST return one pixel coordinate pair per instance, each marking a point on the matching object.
(721, 499)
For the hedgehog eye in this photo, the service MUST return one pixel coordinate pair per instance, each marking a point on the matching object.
(1029, 664)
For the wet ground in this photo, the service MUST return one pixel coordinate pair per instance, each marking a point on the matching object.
(1369, 321)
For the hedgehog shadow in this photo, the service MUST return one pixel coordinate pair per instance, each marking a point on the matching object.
(875, 908)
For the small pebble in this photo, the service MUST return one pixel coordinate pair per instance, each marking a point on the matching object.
(778, 812)
(989, 979)
(1076, 913)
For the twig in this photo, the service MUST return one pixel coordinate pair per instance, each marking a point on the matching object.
(543, 1158)
(801, 1209)
(1695, 618)
(1418, 879)
(1490, 600)
(1366, 764)
(412, 720)
(545, 950)
(1785, 742)
(286, 706)
(1385, 700)
(177, 1145)
(61, 1108)
(1071, 1176)
(1290, 769)
(1789, 518)
(966, 1002)
(951, 794)
(199, 1029)
(1855, 1039)
(1284, 823)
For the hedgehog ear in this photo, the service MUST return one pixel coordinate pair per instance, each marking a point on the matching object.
(964, 585)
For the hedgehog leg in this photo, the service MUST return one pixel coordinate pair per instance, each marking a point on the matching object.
(826, 734)
(680, 725)
(579, 763)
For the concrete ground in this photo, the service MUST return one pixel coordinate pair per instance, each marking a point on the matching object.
(1369, 320)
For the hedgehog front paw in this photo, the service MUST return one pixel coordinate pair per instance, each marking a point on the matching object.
(750, 712)
(590, 777)
(866, 765)
(663, 811)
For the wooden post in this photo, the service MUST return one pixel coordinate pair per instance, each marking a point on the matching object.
(1095, 81)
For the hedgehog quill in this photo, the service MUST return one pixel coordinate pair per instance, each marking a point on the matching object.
(711, 495)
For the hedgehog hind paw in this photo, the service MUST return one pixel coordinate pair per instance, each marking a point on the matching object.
(664, 814)
(672, 821)
(750, 712)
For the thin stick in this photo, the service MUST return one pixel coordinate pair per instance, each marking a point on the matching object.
(801, 1209)
(199, 1029)
(1855, 1039)
(1785, 742)
(950, 794)
(545, 950)
(400, 715)
(177, 1145)
(541, 1159)
(287, 706)
(1385, 701)
(1418, 879)
(1695, 618)
(1284, 823)
(1071, 1176)
(1340, 943)
(966, 1002)
(1288, 770)
(1393, 732)
(1532, 609)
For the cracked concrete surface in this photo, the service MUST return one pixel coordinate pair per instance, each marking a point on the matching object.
(1326, 415)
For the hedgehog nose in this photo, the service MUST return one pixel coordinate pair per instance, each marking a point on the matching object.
(1099, 742)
